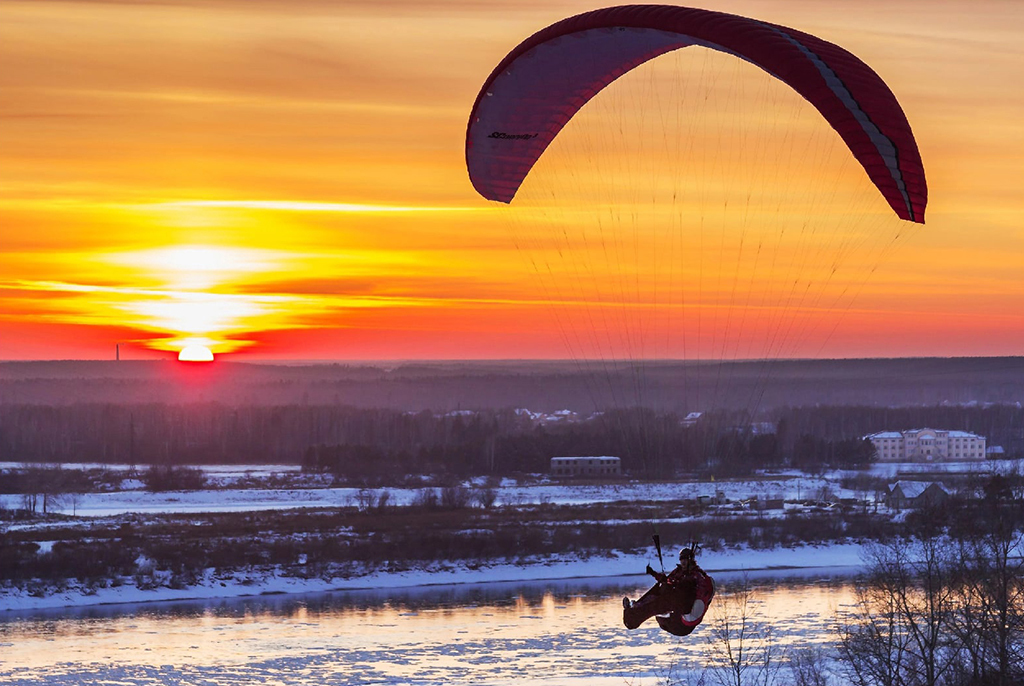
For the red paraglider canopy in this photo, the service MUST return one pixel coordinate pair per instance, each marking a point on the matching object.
(538, 87)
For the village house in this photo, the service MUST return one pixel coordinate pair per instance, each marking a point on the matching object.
(904, 494)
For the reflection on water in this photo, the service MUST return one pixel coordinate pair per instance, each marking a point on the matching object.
(553, 632)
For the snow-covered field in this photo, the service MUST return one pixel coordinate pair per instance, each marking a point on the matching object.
(228, 497)
(892, 469)
(225, 496)
(786, 485)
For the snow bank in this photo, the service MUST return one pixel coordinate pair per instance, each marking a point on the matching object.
(838, 559)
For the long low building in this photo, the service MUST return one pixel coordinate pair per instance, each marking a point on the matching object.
(586, 466)
(927, 445)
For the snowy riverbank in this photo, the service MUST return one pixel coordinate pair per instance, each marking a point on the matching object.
(836, 559)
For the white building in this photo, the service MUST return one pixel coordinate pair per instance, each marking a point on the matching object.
(927, 445)
(585, 466)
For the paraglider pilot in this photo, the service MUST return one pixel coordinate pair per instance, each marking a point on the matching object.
(679, 599)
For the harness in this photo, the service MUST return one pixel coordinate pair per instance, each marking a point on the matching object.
(704, 592)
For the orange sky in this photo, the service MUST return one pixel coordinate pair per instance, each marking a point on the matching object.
(286, 180)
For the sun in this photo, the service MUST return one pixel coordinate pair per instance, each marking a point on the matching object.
(195, 353)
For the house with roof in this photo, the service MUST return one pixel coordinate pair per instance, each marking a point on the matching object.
(927, 445)
(904, 494)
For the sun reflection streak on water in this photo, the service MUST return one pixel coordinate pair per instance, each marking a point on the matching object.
(488, 635)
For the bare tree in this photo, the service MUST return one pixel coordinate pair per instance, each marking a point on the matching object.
(426, 498)
(686, 672)
(809, 668)
(44, 487)
(365, 498)
(925, 597)
(898, 634)
(485, 497)
(455, 497)
(873, 643)
(741, 648)
(54, 486)
(990, 621)
(74, 499)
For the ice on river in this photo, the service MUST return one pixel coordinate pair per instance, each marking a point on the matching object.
(566, 632)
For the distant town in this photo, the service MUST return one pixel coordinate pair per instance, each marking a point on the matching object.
(119, 474)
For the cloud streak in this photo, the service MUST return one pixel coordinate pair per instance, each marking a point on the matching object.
(307, 206)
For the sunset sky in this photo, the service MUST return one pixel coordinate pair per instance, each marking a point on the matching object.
(286, 180)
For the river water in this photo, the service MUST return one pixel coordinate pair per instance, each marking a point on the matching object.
(559, 632)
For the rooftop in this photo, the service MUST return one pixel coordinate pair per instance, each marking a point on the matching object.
(912, 489)
(951, 433)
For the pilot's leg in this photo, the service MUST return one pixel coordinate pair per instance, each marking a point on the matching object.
(659, 600)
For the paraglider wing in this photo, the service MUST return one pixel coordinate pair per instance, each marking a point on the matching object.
(538, 87)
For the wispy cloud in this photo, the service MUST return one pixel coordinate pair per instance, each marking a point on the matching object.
(307, 206)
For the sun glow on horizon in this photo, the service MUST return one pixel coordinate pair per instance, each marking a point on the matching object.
(195, 300)
(195, 353)
(227, 298)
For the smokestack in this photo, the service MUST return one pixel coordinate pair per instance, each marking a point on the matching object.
(117, 352)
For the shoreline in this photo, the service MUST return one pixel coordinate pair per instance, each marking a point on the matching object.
(844, 558)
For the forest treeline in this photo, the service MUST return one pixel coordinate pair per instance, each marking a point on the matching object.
(373, 444)
(666, 385)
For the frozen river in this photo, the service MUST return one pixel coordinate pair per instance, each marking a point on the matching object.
(560, 632)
